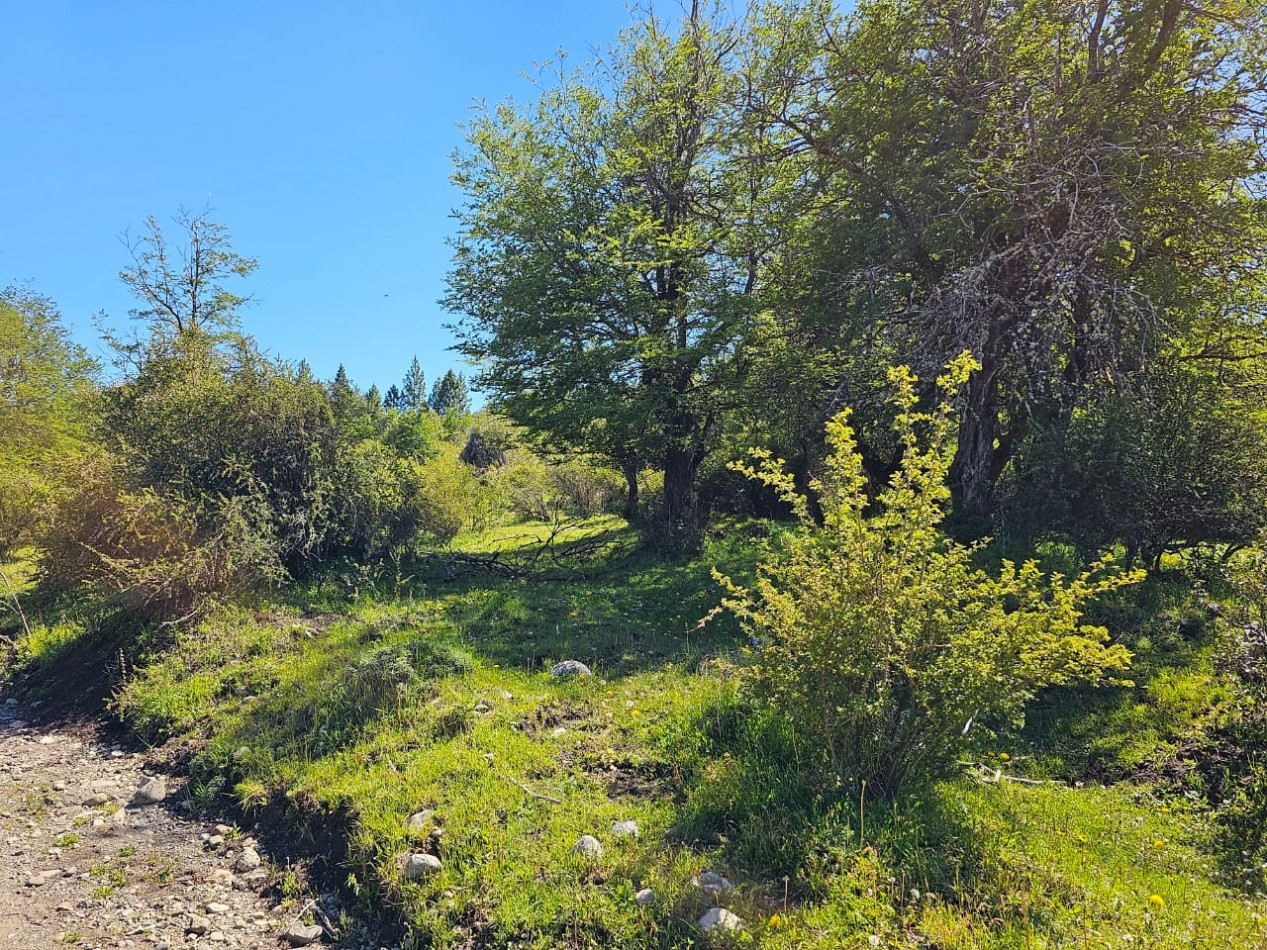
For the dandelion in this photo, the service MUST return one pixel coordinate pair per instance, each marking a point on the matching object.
(635, 712)
(775, 921)
(1157, 842)
(1156, 900)
(1004, 756)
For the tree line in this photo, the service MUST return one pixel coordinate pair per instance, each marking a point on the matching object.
(726, 229)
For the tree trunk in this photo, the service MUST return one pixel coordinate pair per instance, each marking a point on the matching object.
(975, 466)
(630, 471)
(680, 465)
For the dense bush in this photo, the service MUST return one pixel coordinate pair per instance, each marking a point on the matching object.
(877, 637)
(1178, 460)
(153, 555)
(212, 420)
(45, 388)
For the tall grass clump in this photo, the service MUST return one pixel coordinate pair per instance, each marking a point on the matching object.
(875, 635)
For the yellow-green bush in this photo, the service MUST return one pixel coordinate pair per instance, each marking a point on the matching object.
(875, 634)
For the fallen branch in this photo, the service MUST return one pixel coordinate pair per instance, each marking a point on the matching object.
(533, 792)
(994, 776)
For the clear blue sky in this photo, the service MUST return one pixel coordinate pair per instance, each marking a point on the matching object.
(319, 132)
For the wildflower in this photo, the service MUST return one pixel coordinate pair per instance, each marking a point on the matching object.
(1157, 842)
(635, 712)
(775, 921)
(1156, 900)
(1004, 756)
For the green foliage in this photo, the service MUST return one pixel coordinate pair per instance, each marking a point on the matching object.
(156, 556)
(608, 257)
(214, 423)
(182, 287)
(46, 383)
(450, 396)
(1178, 462)
(877, 635)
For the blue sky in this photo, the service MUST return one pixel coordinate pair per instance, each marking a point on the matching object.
(319, 132)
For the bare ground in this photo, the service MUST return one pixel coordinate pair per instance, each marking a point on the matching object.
(82, 865)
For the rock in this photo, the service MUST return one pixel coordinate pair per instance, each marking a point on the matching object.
(558, 731)
(36, 880)
(713, 882)
(719, 918)
(420, 819)
(93, 801)
(150, 793)
(300, 935)
(644, 897)
(214, 841)
(626, 829)
(199, 925)
(588, 846)
(248, 860)
(214, 908)
(420, 865)
(569, 668)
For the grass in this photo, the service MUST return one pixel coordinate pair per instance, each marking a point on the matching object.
(353, 712)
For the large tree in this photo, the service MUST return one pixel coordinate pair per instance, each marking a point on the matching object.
(612, 249)
(1068, 189)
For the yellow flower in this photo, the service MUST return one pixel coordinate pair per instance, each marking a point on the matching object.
(775, 921)
(1004, 756)
(1156, 900)
(635, 712)
(1157, 842)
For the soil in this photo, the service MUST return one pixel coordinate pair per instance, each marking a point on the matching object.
(82, 864)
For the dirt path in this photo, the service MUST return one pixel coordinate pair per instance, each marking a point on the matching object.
(83, 863)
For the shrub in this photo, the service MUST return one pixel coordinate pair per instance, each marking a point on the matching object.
(874, 633)
(152, 555)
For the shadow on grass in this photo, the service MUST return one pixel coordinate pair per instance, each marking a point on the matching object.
(761, 796)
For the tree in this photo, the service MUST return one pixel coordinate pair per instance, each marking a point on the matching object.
(182, 287)
(613, 246)
(393, 399)
(413, 390)
(450, 396)
(1064, 188)
(46, 381)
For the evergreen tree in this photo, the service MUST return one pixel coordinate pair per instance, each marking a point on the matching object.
(413, 390)
(450, 396)
(394, 399)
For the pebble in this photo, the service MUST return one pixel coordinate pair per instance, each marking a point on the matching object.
(588, 846)
(300, 935)
(419, 865)
(150, 793)
(626, 829)
(420, 819)
(719, 918)
(248, 860)
(644, 897)
(198, 925)
(713, 882)
(569, 668)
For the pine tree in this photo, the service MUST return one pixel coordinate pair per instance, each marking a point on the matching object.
(413, 389)
(394, 399)
(450, 396)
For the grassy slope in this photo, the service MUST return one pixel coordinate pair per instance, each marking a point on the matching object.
(436, 697)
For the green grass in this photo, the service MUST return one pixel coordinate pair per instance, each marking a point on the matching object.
(354, 713)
